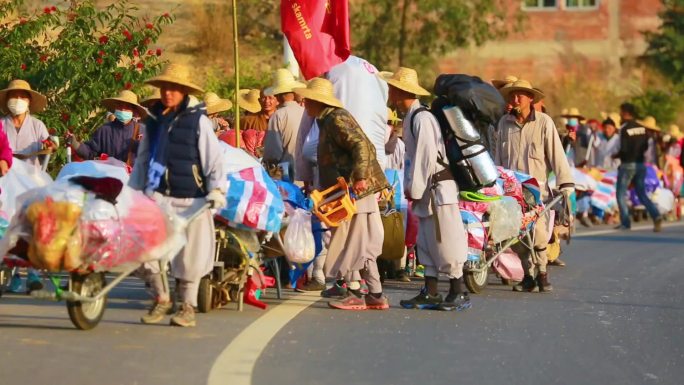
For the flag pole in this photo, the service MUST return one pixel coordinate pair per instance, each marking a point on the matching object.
(237, 75)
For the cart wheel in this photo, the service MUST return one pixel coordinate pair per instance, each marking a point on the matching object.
(86, 315)
(476, 281)
(204, 295)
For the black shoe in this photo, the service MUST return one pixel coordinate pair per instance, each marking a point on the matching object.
(528, 284)
(543, 283)
(622, 227)
(458, 302)
(423, 301)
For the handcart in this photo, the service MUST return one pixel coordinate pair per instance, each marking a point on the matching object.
(239, 254)
(86, 290)
(476, 272)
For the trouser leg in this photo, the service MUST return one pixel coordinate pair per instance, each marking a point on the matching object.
(625, 175)
(372, 276)
(317, 271)
(541, 241)
(640, 187)
(187, 291)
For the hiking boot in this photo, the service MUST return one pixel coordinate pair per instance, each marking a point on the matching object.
(15, 284)
(402, 276)
(33, 282)
(422, 301)
(458, 302)
(557, 262)
(312, 285)
(373, 303)
(528, 284)
(584, 220)
(157, 312)
(185, 317)
(350, 302)
(335, 291)
(658, 225)
(543, 283)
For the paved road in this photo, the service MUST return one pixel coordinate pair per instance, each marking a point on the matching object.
(617, 316)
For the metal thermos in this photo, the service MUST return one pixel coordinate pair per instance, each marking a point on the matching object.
(475, 154)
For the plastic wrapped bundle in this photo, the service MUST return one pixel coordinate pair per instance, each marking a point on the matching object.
(68, 226)
(505, 218)
(21, 178)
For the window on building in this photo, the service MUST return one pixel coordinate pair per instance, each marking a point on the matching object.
(539, 4)
(581, 4)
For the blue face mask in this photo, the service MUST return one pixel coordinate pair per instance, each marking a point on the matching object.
(123, 116)
(573, 122)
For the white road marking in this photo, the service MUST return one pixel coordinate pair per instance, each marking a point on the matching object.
(235, 365)
(634, 228)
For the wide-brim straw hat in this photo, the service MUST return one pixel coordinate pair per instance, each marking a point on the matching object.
(125, 96)
(151, 100)
(249, 100)
(405, 79)
(283, 82)
(38, 101)
(521, 85)
(216, 104)
(674, 131)
(176, 74)
(509, 79)
(649, 122)
(320, 90)
(573, 112)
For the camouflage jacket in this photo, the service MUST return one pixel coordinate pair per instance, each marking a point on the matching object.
(344, 150)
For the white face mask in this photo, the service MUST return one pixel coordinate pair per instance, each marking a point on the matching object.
(17, 106)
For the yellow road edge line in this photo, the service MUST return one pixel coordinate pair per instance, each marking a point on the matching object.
(235, 364)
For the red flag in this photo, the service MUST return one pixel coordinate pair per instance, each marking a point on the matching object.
(318, 32)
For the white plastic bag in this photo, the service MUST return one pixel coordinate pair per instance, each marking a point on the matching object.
(21, 177)
(299, 241)
(664, 200)
(505, 218)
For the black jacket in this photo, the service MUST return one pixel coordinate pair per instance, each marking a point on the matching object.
(633, 142)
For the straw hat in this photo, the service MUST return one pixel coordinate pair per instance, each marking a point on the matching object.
(320, 90)
(405, 79)
(38, 101)
(176, 74)
(283, 82)
(521, 85)
(507, 80)
(127, 97)
(649, 122)
(249, 100)
(573, 112)
(215, 104)
(149, 101)
(674, 131)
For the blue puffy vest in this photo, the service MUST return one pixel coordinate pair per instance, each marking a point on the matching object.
(184, 175)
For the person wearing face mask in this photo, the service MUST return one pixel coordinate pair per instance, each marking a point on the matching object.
(119, 138)
(581, 135)
(27, 135)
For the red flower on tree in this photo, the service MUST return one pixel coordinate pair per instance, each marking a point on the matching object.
(65, 116)
(47, 10)
(135, 52)
(166, 14)
(101, 53)
(53, 8)
(147, 41)
(128, 35)
(117, 76)
(150, 52)
(43, 58)
(99, 60)
(23, 67)
(149, 26)
(128, 86)
(159, 51)
(22, 21)
(140, 65)
(103, 39)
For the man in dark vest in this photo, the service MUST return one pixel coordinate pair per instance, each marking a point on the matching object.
(179, 162)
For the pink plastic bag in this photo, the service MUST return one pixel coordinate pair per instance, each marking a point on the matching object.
(508, 266)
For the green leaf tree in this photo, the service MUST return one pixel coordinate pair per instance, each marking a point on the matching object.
(666, 45)
(77, 55)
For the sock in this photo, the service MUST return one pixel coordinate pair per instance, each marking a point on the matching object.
(376, 295)
(356, 292)
(431, 285)
(456, 287)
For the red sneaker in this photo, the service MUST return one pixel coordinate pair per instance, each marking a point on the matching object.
(373, 303)
(350, 302)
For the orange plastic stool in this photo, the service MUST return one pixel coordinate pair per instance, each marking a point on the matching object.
(334, 205)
